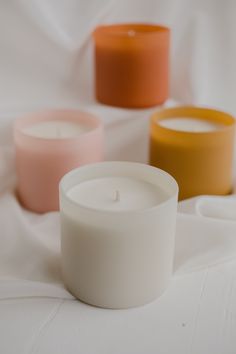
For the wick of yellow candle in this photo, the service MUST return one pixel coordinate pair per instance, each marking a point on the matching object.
(58, 132)
(117, 196)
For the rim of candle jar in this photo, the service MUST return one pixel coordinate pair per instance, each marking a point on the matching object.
(225, 120)
(111, 169)
(70, 115)
(117, 32)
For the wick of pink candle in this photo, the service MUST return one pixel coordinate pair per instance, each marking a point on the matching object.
(117, 196)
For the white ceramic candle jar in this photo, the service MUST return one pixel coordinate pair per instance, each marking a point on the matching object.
(117, 233)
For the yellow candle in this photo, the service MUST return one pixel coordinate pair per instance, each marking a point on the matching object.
(195, 145)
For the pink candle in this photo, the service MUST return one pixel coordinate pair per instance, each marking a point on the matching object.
(48, 145)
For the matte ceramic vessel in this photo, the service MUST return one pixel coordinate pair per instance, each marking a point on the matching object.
(118, 259)
(132, 65)
(201, 162)
(41, 162)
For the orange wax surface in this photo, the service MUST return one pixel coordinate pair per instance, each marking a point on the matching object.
(132, 65)
(201, 162)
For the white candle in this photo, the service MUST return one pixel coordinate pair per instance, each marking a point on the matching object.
(56, 129)
(117, 194)
(189, 124)
(118, 226)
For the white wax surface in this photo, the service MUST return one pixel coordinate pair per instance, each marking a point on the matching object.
(117, 194)
(56, 129)
(189, 124)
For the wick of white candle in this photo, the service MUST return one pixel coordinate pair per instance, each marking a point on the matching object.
(131, 33)
(117, 196)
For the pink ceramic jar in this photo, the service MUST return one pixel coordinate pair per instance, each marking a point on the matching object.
(48, 145)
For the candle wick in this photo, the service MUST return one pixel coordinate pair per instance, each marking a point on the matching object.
(131, 33)
(117, 196)
(58, 132)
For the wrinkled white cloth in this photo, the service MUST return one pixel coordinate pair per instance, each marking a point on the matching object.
(46, 49)
(204, 238)
(30, 244)
(46, 61)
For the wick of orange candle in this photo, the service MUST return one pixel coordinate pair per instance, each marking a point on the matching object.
(131, 33)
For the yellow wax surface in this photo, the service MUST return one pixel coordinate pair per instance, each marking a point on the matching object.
(189, 124)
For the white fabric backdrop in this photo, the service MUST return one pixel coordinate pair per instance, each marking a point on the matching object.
(46, 61)
(46, 49)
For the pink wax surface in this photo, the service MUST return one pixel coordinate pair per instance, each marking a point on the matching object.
(42, 162)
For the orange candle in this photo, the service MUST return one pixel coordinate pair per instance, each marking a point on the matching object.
(195, 145)
(132, 65)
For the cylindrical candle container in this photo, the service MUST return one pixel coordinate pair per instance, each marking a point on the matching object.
(132, 64)
(117, 233)
(200, 154)
(48, 145)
